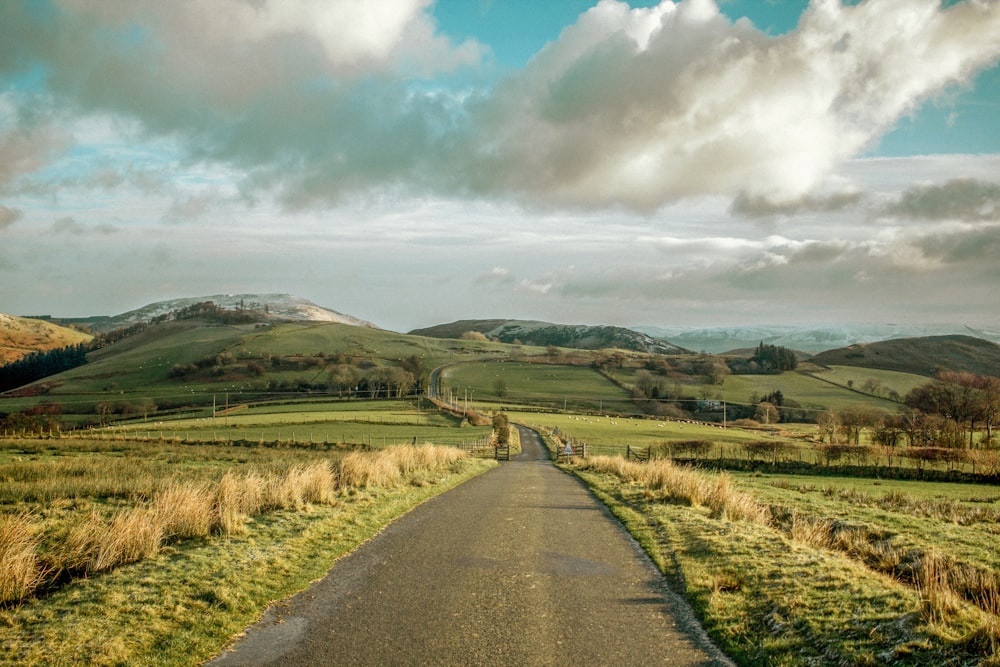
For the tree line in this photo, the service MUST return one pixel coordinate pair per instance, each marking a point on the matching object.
(41, 364)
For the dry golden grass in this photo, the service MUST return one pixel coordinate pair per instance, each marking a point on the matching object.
(185, 510)
(679, 483)
(98, 544)
(235, 502)
(391, 466)
(938, 601)
(360, 470)
(178, 510)
(20, 570)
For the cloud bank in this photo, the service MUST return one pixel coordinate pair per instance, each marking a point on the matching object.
(319, 101)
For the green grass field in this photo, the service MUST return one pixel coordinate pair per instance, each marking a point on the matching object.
(580, 388)
(796, 571)
(372, 423)
(810, 393)
(857, 378)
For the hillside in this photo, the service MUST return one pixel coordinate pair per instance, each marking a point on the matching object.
(812, 340)
(20, 336)
(271, 307)
(580, 336)
(921, 356)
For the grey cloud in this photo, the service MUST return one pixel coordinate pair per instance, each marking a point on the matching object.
(69, 225)
(8, 216)
(977, 247)
(192, 208)
(27, 149)
(761, 207)
(959, 199)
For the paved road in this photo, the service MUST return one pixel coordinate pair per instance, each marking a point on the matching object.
(519, 566)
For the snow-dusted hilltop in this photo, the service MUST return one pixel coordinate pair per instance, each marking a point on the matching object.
(276, 306)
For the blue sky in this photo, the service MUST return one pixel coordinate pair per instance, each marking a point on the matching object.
(412, 162)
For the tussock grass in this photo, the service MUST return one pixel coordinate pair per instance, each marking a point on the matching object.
(938, 602)
(20, 569)
(106, 538)
(391, 466)
(360, 470)
(672, 482)
(98, 544)
(237, 498)
(185, 510)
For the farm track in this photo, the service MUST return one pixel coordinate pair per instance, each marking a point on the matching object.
(521, 565)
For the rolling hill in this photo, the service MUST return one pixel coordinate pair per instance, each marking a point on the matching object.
(271, 307)
(578, 336)
(921, 356)
(812, 340)
(20, 336)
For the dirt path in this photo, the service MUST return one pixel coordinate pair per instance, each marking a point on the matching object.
(520, 566)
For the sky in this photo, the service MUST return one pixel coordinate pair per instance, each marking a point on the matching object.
(413, 162)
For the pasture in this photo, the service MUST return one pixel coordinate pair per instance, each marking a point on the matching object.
(315, 422)
(555, 386)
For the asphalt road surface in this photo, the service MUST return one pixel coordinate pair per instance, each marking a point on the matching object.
(519, 566)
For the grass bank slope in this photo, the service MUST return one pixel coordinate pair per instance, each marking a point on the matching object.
(921, 356)
(20, 336)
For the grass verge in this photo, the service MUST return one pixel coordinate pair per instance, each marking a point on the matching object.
(773, 596)
(181, 604)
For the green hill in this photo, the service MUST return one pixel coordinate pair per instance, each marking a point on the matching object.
(189, 364)
(922, 356)
(575, 336)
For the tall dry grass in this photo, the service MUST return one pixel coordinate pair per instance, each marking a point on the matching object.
(179, 510)
(185, 510)
(682, 484)
(938, 601)
(359, 470)
(393, 465)
(20, 569)
(98, 544)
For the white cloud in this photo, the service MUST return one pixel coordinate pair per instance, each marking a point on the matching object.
(642, 107)
(317, 101)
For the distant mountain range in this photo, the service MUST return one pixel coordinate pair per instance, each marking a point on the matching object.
(561, 335)
(813, 340)
(276, 307)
